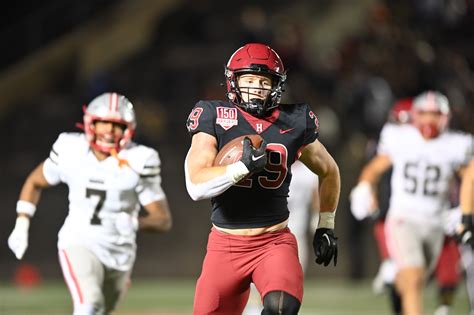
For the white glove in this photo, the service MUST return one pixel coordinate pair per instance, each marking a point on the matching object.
(451, 220)
(126, 223)
(18, 239)
(362, 201)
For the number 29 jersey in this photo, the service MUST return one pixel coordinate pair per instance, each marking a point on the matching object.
(261, 199)
(102, 194)
(422, 170)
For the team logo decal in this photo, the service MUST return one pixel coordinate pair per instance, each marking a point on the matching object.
(226, 117)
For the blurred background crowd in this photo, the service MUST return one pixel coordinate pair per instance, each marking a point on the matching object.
(350, 60)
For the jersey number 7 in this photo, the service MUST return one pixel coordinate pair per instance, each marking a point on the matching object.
(95, 220)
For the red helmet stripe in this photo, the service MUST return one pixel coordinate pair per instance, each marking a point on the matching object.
(113, 102)
(431, 102)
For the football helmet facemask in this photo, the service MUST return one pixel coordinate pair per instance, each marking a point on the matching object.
(109, 107)
(258, 59)
(431, 101)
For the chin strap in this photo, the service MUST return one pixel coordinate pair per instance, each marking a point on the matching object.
(122, 162)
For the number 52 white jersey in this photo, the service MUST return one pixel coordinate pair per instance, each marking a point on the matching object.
(422, 170)
(100, 193)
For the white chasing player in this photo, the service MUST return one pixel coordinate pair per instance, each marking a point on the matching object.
(425, 158)
(109, 178)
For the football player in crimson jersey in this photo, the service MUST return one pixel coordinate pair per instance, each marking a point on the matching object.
(108, 177)
(249, 240)
(425, 158)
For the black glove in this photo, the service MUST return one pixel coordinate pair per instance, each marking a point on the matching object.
(466, 236)
(325, 246)
(254, 159)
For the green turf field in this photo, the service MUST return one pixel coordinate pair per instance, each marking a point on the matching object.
(174, 297)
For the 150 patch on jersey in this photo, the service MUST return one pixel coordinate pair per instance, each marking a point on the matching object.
(226, 117)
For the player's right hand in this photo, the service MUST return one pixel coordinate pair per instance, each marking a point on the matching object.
(254, 159)
(362, 201)
(18, 239)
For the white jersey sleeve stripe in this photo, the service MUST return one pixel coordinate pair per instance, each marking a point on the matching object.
(150, 171)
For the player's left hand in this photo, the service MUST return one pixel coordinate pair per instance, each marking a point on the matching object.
(465, 235)
(325, 246)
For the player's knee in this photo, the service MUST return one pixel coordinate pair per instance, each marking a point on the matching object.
(279, 302)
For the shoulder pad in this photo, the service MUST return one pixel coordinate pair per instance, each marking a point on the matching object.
(144, 160)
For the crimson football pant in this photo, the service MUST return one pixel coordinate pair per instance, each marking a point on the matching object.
(232, 262)
(448, 270)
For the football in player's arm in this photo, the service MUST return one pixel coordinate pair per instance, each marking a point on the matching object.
(109, 178)
(249, 241)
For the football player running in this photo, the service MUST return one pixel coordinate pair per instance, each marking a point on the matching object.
(425, 158)
(249, 240)
(108, 177)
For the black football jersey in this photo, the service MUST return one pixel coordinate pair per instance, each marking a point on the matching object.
(260, 200)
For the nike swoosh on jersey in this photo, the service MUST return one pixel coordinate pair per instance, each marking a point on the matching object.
(283, 131)
(254, 158)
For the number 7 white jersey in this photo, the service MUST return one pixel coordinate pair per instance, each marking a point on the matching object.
(422, 170)
(100, 193)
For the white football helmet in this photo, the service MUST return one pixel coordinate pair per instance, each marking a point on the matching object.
(431, 101)
(111, 107)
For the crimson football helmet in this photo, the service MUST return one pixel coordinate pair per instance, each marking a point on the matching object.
(259, 59)
(400, 113)
(431, 101)
(110, 107)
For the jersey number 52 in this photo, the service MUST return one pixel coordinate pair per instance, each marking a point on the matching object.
(431, 177)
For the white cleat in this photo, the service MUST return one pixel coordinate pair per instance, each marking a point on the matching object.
(442, 310)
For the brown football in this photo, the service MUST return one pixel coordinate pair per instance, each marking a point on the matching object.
(231, 152)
